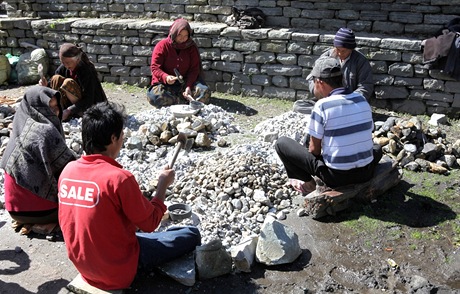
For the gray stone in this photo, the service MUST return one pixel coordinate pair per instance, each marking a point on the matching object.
(433, 85)
(243, 254)
(401, 44)
(280, 81)
(437, 119)
(261, 57)
(387, 92)
(181, 269)
(277, 244)
(413, 107)
(270, 137)
(212, 260)
(401, 69)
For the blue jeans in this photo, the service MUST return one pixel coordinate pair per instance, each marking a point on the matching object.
(159, 247)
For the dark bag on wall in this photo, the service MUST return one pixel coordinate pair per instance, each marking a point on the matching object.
(250, 18)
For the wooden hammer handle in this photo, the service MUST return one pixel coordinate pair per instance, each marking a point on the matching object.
(176, 152)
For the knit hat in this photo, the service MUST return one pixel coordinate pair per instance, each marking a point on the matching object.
(326, 67)
(345, 38)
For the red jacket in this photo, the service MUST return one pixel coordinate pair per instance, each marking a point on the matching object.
(100, 208)
(165, 58)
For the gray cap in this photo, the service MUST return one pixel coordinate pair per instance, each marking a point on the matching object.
(326, 67)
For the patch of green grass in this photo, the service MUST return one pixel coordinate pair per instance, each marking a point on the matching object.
(249, 111)
(433, 186)
(413, 247)
(418, 235)
(364, 224)
(124, 87)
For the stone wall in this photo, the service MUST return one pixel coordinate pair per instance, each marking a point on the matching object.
(265, 62)
(390, 17)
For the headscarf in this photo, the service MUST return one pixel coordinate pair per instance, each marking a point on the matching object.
(37, 151)
(71, 50)
(177, 26)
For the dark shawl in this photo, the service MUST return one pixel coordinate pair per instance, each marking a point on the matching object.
(37, 152)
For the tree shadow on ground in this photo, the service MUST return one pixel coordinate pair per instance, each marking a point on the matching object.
(233, 106)
(399, 206)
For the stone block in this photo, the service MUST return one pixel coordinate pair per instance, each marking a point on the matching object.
(278, 93)
(388, 92)
(401, 69)
(79, 286)
(287, 59)
(433, 85)
(452, 87)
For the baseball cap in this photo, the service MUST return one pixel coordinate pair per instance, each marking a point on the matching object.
(325, 67)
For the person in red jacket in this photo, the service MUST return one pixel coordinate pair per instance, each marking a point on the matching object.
(176, 69)
(101, 209)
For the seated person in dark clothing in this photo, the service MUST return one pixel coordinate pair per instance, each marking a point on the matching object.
(77, 80)
(34, 158)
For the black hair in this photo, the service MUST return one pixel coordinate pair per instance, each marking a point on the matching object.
(334, 82)
(99, 123)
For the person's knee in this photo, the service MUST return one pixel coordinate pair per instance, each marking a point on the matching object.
(280, 143)
(194, 234)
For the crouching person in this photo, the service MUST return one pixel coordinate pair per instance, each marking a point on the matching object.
(101, 208)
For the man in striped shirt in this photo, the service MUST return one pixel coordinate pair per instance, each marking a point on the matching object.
(340, 150)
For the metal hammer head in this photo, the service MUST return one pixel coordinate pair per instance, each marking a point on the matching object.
(179, 76)
(181, 139)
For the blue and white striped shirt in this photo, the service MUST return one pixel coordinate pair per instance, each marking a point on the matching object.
(344, 124)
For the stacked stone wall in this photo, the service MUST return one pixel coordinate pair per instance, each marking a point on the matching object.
(415, 18)
(267, 62)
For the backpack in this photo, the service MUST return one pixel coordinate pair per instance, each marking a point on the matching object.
(250, 18)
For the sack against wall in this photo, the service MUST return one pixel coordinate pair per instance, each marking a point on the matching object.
(27, 66)
(5, 69)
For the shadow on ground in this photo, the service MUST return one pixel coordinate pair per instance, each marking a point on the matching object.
(399, 206)
(233, 106)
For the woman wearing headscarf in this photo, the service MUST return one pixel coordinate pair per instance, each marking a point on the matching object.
(176, 69)
(77, 80)
(34, 158)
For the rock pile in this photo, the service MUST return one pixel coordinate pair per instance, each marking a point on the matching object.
(416, 147)
(234, 190)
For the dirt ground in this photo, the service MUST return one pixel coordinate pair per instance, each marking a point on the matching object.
(407, 242)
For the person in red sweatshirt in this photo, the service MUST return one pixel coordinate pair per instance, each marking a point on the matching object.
(101, 209)
(176, 69)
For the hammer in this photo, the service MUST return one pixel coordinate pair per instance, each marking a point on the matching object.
(181, 142)
(179, 76)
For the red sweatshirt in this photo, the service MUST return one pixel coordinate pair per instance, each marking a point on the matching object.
(100, 207)
(165, 58)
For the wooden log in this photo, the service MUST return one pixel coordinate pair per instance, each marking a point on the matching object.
(328, 201)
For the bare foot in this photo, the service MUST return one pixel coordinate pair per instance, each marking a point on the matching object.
(309, 186)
